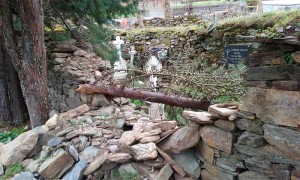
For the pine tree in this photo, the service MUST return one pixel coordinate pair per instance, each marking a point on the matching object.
(92, 14)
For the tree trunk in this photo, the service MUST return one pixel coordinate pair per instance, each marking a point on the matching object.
(143, 95)
(5, 115)
(30, 62)
(33, 75)
(167, 9)
(259, 7)
(139, 19)
(16, 100)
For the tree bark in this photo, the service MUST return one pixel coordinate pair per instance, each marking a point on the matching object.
(16, 101)
(30, 62)
(260, 7)
(144, 95)
(139, 18)
(167, 9)
(33, 75)
(5, 114)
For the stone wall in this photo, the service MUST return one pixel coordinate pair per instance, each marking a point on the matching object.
(70, 64)
(261, 138)
(184, 43)
(176, 21)
(202, 39)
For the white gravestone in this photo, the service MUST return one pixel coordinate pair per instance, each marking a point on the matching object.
(132, 52)
(118, 43)
(120, 64)
(155, 65)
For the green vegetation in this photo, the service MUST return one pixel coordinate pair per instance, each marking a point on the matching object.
(266, 23)
(116, 175)
(85, 21)
(138, 102)
(174, 113)
(288, 58)
(12, 170)
(10, 135)
(181, 30)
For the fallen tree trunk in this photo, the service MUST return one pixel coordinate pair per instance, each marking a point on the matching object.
(143, 95)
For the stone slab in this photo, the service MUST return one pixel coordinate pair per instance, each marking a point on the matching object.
(217, 138)
(273, 106)
(207, 152)
(285, 140)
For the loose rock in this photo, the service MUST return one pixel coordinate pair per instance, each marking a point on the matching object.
(144, 151)
(177, 142)
(56, 166)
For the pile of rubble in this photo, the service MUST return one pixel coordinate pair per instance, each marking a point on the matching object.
(223, 143)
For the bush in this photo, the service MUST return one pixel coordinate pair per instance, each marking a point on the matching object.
(7, 136)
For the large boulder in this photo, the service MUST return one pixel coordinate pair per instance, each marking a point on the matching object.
(181, 140)
(19, 148)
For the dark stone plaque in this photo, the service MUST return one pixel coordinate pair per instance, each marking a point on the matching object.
(237, 53)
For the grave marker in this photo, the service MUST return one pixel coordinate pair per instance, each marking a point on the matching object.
(237, 53)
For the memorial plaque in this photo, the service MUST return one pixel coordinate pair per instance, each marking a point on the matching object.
(237, 53)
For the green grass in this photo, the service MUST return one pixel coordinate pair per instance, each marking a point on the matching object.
(12, 170)
(161, 30)
(270, 19)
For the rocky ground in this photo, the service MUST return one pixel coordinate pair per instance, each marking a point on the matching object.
(124, 143)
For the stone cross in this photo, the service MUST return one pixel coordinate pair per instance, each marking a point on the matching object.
(118, 42)
(132, 52)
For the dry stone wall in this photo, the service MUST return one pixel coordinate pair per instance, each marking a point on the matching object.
(260, 138)
(70, 64)
(176, 21)
(184, 44)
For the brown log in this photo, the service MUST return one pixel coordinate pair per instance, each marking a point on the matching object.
(144, 95)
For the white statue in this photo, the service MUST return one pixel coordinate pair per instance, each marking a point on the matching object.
(118, 43)
(153, 65)
(132, 52)
(120, 66)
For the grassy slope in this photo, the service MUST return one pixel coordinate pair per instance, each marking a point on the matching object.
(268, 21)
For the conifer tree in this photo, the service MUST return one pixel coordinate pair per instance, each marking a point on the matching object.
(22, 52)
(92, 14)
